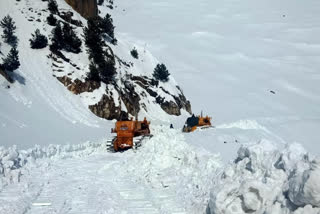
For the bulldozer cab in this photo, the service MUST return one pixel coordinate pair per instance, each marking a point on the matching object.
(126, 131)
(194, 122)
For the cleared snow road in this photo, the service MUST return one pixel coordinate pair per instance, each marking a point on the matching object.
(94, 185)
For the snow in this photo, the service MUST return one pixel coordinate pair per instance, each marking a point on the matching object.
(227, 57)
(38, 98)
(267, 179)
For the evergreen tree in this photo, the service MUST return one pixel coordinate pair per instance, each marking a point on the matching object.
(53, 7)
(38, 40)
(100, 2)
(107, 70)
(161, 73)
(107, 25)
(93, 40)
(57, 38)
(134, 53)
(11, 62)
(93, 74)
(9, 28)
(52, 20)
(72, 43)
(101, 62)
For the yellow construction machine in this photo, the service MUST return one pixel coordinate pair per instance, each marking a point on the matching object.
(197, 122)
(129, 134)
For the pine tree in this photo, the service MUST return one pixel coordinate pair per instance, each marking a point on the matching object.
(134, 53)
(101, 62)
(11, 62)
(38, 40)
(161, 73)
(53, 7)
(9, 28)
(93, 74)
(93, 40)
(52, 20)
(57, 38)
(72, 43)
(107, 70)
(107, 26)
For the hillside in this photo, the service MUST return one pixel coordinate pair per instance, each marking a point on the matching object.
(252, 66)
(37, 97)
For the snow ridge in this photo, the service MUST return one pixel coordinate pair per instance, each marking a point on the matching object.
(14, 162)
(266, 180)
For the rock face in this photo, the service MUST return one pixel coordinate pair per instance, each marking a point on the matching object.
(5, 75)
(78, 87)
(135, 93)
(106, 108)
(87, 8)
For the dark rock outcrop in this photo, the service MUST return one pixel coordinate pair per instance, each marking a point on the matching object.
(130, 97)
(107, 109)
(86, 8)
(171, 107)
(78, 87)
(6, 75)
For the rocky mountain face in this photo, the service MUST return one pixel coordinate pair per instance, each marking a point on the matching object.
(87, 8)
(130, 96)
(133, 91)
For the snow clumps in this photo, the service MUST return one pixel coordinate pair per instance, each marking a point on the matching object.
(263, 179)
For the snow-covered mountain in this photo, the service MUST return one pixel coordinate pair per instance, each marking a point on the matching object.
(38, 97)
(251, 65)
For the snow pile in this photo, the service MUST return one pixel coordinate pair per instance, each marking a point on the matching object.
(167, 161)
(265, 180)
(14, 162)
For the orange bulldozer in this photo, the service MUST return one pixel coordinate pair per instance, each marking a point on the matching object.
(195, 122)
(130, 134)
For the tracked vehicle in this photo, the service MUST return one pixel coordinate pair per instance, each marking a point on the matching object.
(129, 134)
(197, 122)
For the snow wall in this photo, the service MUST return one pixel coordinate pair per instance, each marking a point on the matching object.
(265, 179)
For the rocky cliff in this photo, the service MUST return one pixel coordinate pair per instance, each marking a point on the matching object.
(87, 8)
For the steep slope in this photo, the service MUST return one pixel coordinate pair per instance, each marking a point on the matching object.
(229, 55)
(40, 109)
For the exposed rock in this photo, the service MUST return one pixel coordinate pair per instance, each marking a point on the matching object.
(107, 109)
(66, 81)
(130, 99)
(171, 108)
(5, 75)
(78, 87)
(86, 8)
(127, 94)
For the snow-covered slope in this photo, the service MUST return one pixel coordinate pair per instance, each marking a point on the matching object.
(252, 66)
(38, 109)
(228, 56)
(166, 175)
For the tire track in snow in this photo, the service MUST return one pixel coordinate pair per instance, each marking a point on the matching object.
(94, 185)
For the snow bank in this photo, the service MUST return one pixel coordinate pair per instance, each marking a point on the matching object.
(167, 161)
(264, 179)
(14, 162)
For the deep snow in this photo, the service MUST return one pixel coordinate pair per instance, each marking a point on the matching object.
(162, 176)
(227, 56)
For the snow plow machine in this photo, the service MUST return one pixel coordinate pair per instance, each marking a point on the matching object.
(197, 122)
(130, 134)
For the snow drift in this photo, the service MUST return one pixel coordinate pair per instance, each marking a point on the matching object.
(265, 179)
(14, 163)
